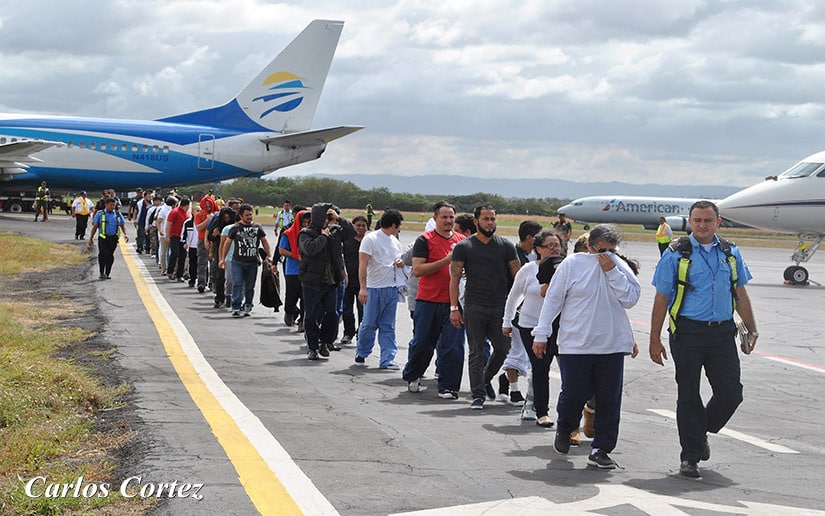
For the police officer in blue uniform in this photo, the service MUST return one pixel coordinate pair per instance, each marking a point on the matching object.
(702, 331)
(111, 224)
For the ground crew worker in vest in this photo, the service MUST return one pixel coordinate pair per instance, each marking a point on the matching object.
(112, 225)
(702, 330)
(81, 208)
(663, 235)
(42, 202)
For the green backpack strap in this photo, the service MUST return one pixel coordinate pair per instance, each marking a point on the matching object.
(684, 247)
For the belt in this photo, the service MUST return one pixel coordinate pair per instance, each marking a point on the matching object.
(709, 324)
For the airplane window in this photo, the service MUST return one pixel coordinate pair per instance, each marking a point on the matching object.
(803, 169)
(145, 148)
(103, 146)
(82, 145)
(166, 149)
(124, 147)
(821, 174)
(92, 145)
(154, 148)
(134, 147)
(3, 140)
(13, 140)
(70, 144)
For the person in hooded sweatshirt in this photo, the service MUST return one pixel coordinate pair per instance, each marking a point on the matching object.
(321, 272)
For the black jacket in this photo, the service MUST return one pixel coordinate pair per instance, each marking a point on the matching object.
(322, 259)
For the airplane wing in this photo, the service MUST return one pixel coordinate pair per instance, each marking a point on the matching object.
(21, 151)
(314, 137)
(15, 155)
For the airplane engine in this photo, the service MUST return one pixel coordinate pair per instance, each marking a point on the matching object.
(678, 223)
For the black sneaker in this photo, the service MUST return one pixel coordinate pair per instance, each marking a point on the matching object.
(503, 384)
(516, 399)
(201, 290)
(346, 339)
(447, 394)
(491, 393)
(478, 403)
(218, 304)
(689, 469)
(312, 354)
(360, 361)
(333, 347)
(323, 351)
(562, 442)
(601, 460)
(705, 450)
(289, 319)
(236, 313)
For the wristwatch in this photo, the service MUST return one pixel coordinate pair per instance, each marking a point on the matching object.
(454, 309)
(754, 333)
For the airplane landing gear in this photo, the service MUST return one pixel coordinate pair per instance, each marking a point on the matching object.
(796, 275)
(808, 244)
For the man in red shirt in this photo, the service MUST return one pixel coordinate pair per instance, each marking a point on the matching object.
(174, 228)
(432, 330)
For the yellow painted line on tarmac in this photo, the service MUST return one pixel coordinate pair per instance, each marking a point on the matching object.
(255, 464)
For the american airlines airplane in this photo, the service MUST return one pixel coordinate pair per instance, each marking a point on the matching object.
(630, 210)
(264, 128)
(792, 202)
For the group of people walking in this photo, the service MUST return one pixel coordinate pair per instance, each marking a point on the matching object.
(518, 305)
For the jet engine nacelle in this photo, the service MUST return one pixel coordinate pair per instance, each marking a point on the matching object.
(678, 223)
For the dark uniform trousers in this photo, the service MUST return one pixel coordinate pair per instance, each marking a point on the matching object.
(694, 346)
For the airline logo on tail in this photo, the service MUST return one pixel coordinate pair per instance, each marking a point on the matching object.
(286, 93)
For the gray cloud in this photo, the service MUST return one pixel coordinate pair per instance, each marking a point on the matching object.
(642, 90)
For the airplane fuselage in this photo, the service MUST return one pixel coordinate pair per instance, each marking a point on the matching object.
(120, 154)
(629, 210)
(785, 204)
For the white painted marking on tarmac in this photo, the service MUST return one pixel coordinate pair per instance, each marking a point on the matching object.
(299, 486)
(761, 443)
(610, 497)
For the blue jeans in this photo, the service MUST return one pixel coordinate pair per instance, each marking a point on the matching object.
(583, 376)
(379, 315)
(482, 323)
(693, 347)
(244, 275)
(433, 332)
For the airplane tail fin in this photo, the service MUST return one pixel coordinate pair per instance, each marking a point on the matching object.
(284, 96)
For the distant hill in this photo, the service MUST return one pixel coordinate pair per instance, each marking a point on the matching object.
(526, 188)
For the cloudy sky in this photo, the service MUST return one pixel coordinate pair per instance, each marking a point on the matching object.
(641, 91)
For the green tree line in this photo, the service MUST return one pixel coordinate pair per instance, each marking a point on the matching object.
(306, 191)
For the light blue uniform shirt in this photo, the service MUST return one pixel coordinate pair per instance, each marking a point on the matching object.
(710, 298)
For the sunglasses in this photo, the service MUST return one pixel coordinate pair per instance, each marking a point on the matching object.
(606, 251)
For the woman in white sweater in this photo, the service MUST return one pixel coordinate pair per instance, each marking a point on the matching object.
(590, 293)
(526, 294)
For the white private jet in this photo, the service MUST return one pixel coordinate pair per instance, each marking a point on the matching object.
(630, 210)
(264, 128)
(793, 202)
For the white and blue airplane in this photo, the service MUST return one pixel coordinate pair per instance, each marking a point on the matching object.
(264, 128)
(792, 202)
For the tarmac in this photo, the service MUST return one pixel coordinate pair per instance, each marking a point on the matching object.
(234, 405)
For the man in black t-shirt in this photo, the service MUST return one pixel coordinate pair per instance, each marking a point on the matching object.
(487, 261)
(247, 236)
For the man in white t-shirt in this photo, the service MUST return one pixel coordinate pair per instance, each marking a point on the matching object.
(379, 257)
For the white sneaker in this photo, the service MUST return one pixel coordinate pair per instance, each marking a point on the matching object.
(415, 386)
(528, 414)
(504, 398)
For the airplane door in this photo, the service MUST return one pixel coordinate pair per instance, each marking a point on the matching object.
(206, 151)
